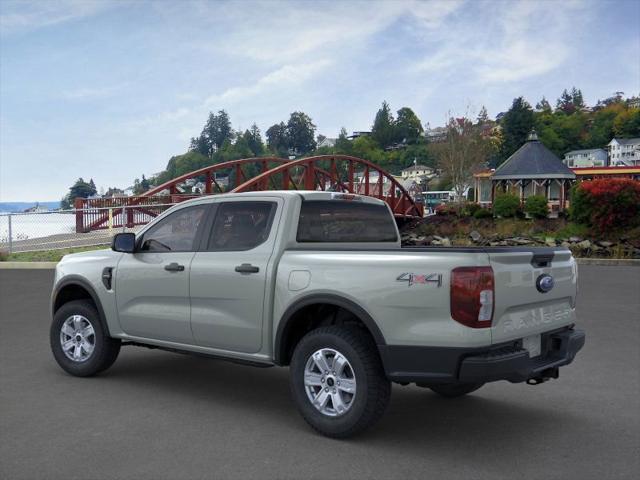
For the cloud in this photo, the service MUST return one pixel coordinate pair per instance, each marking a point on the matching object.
(23, 15)
(285, 77)
(512, 44)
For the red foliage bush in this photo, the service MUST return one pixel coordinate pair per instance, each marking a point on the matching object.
(607, 203)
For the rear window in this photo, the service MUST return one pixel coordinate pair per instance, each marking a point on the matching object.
(345, 221)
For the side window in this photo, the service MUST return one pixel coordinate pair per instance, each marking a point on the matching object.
(176, 232)
(241, 225)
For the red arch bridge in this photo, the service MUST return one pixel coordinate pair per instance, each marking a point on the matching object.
(337, 173)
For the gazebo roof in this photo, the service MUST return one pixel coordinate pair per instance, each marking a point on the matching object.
(533, 160)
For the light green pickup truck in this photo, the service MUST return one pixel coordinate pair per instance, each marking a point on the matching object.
(318, 281)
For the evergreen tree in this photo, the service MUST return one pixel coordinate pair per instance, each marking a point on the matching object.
(253, 138)
(517, 123)
(216, 131)
(565, 103)
(343, 144)
(483, 116)
(543, 106)
(576, 99)
(382, 130)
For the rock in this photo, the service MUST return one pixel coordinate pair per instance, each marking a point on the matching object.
(437, 237)
(565, 244)
(446, 242)
(605, 244)
(436, 243)
(475, 236)
(585, 244)
(575, 239)
(550, 241)
(494, 244)
(521, 241)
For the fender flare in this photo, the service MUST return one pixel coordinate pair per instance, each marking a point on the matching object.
(327, 299)
(77, 280)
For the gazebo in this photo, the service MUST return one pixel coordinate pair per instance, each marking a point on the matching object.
(532, 170)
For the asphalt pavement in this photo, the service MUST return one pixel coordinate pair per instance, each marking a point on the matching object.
(159, 415)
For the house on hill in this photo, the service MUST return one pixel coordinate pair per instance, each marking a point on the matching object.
(532, 170)
(624, 152)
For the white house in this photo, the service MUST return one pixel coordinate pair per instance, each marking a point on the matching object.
(417, 172)
(624, 152)
(594, 157)
(327, 142)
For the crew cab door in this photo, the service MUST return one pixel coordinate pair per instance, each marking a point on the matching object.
(152, 284)
(228, 278)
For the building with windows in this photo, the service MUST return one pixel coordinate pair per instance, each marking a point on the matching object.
(624, 152)
(593, 157)
(532, 170)
(419, 173)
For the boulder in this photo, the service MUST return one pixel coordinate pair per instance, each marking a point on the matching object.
(475, 236)
(575, 239)
(585, 244)
(550, 241)
(605, 244)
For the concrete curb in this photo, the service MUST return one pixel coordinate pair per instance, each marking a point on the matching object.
(27, 265)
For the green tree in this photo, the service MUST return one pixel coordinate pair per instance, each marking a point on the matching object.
(367, 148)
(301, 133)
(627, 124)
(383, 130)
(253, 138)
(216, 131)
(517, 123)
(565, 103)
(577, 99)
(277, 139)
(544, 106)
(483, 116)
(80, 189)
(506, 205)
(343, 144)
(408, 126)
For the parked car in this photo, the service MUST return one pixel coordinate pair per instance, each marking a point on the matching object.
(319, 282)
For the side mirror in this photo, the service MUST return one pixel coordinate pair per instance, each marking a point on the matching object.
(124, 242)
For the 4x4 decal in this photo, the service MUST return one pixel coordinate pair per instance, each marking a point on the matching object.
(420, 279)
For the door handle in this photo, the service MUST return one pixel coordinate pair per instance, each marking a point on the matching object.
(174, 267)
(247, 268)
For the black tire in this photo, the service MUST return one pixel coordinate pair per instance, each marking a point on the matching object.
(453, 390)
(373, 388)
(105, 350)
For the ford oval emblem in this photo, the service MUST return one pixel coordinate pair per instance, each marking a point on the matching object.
(544, 283)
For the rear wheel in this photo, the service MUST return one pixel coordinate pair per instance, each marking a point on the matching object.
(79, 341)
(453, 390)
(337, 381)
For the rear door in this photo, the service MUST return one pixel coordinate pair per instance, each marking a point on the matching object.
(228, 280)
(535, 292)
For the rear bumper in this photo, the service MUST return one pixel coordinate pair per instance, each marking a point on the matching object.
(509, 361)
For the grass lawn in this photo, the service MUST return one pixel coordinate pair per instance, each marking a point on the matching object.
(45, 255)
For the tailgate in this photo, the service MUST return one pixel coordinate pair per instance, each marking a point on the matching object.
(524, 302)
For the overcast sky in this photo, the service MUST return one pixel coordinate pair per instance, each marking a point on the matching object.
(111, 90)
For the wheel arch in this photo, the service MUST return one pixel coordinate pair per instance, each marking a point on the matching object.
(289, 320)
(75, 287)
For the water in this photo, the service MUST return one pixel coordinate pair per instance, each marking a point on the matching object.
(36, 225)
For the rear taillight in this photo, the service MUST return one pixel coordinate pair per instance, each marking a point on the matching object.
(472, 292)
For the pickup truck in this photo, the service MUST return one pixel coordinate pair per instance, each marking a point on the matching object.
(319, 282)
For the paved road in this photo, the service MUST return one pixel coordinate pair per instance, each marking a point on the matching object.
(159, 415)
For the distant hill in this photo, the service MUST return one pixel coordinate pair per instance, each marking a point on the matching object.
(14, 207)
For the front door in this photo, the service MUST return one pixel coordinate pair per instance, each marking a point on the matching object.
(228, 279)
(152, 284)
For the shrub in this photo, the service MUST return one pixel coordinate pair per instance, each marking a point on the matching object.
(4, 256)
(606, 203)
(469, 209)
(536, 206)
(483, 213)
(446, 209)
(506, 205)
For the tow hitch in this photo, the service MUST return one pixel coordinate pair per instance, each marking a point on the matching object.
(545, 375)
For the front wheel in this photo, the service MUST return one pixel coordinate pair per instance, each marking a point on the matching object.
(453, 390)
(79, 342)
(338, 382)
